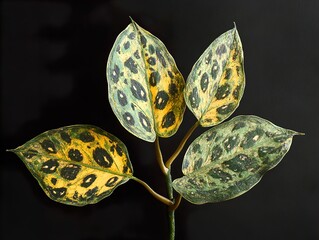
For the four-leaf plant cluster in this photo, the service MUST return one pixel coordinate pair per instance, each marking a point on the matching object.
(82, 164)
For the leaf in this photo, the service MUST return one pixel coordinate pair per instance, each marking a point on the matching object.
(77, 165)
(144, 85)
(216, 83)
(229, 159)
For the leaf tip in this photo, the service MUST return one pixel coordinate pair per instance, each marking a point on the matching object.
(299, 133)
(235, 27)
(11, 150)
(132, 20)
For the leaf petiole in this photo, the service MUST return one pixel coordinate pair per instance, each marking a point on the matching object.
(159, 197)
(159, 157)
(181, 145)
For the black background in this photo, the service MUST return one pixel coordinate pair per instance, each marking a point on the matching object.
(53, 57)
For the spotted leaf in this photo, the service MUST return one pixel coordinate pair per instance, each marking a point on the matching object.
(77, 165)
(229, 159)
(144, 85)
(216, 83)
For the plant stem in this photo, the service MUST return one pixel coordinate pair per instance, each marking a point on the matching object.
(159, 197)
(168, 179)
(159, 157)
(171, 211)
(181, 145)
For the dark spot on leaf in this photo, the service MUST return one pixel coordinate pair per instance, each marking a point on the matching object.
(65, 137)
(241, 163)
(57, 192)
(118, 49)
(137, 54)
(70, 171)
(119, 150)
(133, 106)
(125, 169)
(151, 49)
(102, 157)
(204, 82)
(131, 65)
(131, 35)
(185, 163)
(228, 73)
(280, 138)
(221, 49)
(172, 88)
(126, 45)
(115, 74)
(121, 97)
(91, 192)
(208, 58)
(53, 181)
(128, 118)
(161, 100)
(236, 53)
(216, 153)
(236, 92)
(30, 153)
(225, 109)
(223, 91)
(48, 146)
(170, 74)
(155, 77)
(198, 163)
(50, 166)
(151, 61)
(75, 195)
(88, 180)
(143, 41)
(211, 136)
(230, 143)
(238, 126)
(138, 90)
(251, 138)
(75, 155)
(219, 174)
(160, 57)
(193, 98)
(264, 151)
(168, 120)
(86, 137)
(196, 148)
(215, 69)
(238, 70)
(112, 149)
(111, 182)
(144, 122)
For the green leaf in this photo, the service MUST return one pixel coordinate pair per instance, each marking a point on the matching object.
(77, 165)
(144, 85)
(216, 83)
(229, 159)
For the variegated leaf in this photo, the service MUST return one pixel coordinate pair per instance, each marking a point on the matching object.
(144, 85)
(216, 83)
(77, 165)
(229, 159)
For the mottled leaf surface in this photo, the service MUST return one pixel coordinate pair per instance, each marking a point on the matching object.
(229, 159)
(144, 85)
(216, 83)
(77, 165)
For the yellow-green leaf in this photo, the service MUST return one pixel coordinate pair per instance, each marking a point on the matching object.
(216, 83)
(144, 85)
(77, 165)
(229, 159)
